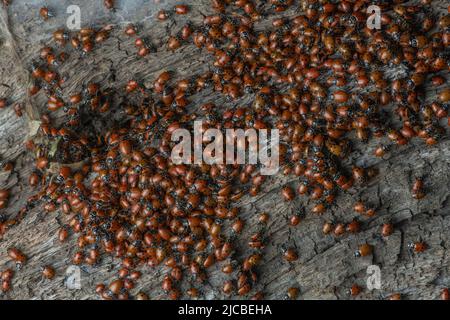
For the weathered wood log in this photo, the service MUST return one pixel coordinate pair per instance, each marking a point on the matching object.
(326, 268)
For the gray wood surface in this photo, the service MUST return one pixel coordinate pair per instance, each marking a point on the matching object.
(326, 268)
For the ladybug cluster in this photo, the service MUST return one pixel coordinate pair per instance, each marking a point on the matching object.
(319, 77)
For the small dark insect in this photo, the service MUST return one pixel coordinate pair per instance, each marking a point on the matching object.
(2, 103)
(327, 227)
(173, 43)
(60, 35)
(359, 207)
(370, 212)
(116, 286)
(339, 229)
(353, 226)
(48, 272)
(4, 196)
(17, 256)
(292, 293)
(395, 296)
(319, 208)
(288, 193)
(228, 287)
(8, 166)
(45, 13)
(355, 290)
(122, 194)
(186, 32)
(364, 250)
(238, 225)
(130, 30)
(387, 229)
(63, 234)
(418, 189)
(258, 296)
(181, 9)
(141, 296)
(193, 292)
(381, 151)
(100, 288)
(18, 110)
(445, 294)
(6, 275)
(78, 258)
(143, 51)
(167, 284)
(33, 179)
(263, 218)
(418, 246)
(358, 174)
(290, 254)
(444, 95)
(162, 15)
(295, 219)
(109, 4)
(6, 286)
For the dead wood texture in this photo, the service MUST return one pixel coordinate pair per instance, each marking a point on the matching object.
(326, 268)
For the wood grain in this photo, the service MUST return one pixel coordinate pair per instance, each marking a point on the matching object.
(326, 268)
